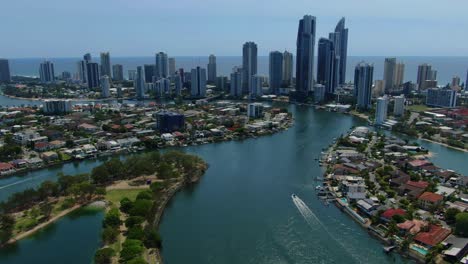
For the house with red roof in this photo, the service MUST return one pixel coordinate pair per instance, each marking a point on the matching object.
(413, 189)
(6, 168)
(418, 163)
(411, 226)
(389, 213)
(41, 146)
(429, 200)
(435, 235)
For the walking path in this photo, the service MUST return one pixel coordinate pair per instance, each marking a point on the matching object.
(44, 224)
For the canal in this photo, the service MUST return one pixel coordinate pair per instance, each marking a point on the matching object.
(241, 211)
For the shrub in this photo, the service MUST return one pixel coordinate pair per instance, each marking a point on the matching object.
(103, 256)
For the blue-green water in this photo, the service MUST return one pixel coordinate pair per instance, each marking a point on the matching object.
(71, 240)
(241, 211)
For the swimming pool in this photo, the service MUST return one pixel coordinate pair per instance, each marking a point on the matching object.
(420, 250)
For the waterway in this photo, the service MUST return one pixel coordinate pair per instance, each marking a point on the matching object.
(241, 211)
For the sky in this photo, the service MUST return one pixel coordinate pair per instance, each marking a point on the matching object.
(66, 28)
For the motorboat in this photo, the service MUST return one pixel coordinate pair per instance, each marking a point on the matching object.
(293, 196)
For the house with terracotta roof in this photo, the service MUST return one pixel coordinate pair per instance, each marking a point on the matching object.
(6, 168)
(389, 213)
(433, 236)
(411, 226)
(429, 200)
(418, 163)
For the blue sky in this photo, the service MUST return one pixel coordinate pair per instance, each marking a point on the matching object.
(65, 28)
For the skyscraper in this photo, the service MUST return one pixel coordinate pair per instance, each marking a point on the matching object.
(249, 64)
(105, 64)
(255, 86)
(92, 74)
(150, 70)
(399, 107)
(455, 81)
(212, 68)
(399, 76)
(466, 80)
(4, 71)
(87, 57)
(178, 84)
(161, 65)
(105, 86)
(340, 43)
(381, 110)
(305, 55)
(139, 83)
(326, 65)
(424, 73)
(389, 73)
(82, 71)
(276, 71)
(287, 68)
(46, 72)
(117, 72)
(363, 74)
(198, 81)
(172, 66)
(236, 82)
(132, 75)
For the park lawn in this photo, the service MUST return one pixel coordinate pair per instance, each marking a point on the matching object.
(115, 196)
(418, 108)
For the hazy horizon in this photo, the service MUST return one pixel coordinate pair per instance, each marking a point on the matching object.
(58, 28)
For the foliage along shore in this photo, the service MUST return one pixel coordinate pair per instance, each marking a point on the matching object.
(28, 211)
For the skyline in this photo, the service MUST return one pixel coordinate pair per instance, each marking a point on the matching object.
(199, 28)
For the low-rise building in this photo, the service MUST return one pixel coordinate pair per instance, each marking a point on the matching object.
(429, 200)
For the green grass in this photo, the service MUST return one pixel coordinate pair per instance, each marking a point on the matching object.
(115, 196)
(418, 108)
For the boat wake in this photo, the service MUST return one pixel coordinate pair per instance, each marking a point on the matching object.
(313, 221)
(15, 183)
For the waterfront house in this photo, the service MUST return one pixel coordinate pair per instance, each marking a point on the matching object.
(41, 146)
(411, 226)
(35, 162)
(445, 191)
(429, 200)
(56, 144)
(367, 206)
(6, 168)
(354, 191)
(456, 248)
(19, 163)
(413, 189)
(418, 163)
(433, 236)
(49, 156)
(389, 213)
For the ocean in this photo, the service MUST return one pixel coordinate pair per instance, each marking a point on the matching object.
(447, 67)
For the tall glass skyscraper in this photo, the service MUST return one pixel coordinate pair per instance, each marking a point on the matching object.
(46, 72)
(305, 55)
(389, 74)
(340, 42)
(326, 65)
(212, 68)
(249, 65)
(276, 71)
(363, 78)
(162, 64)
(4, 70)
(105, 64)
(287, 68)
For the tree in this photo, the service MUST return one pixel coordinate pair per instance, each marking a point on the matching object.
(152, 239)
(104, 256)
(100, 175)
(126, 205)
(144, 195)
(135, 232)
(46, 209)
(133, 221)
(131, 249)
(112, 218)
(141, 208)
(110, 234)
(461, 224)
(450, 215)
(7, 224)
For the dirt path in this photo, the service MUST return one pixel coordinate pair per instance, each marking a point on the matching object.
(42, 225)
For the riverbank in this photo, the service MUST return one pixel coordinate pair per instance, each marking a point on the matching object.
(443, 144)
